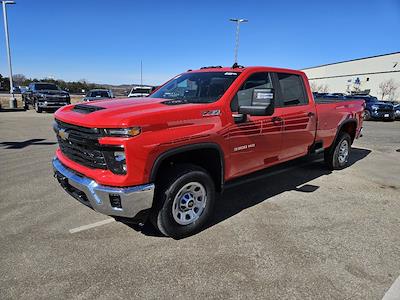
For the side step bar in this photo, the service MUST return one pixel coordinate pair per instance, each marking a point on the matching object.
(317, 147)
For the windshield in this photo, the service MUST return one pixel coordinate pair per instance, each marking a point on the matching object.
(46, 86)
(201, 87)
(102, 94)
(141, 90)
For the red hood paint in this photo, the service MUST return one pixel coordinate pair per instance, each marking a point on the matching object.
(127, 112)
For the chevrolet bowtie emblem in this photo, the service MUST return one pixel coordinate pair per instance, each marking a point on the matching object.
(63, 134)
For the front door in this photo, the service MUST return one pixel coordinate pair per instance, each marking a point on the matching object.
(256, 141)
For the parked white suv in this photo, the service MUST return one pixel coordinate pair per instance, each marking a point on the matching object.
(140, 91)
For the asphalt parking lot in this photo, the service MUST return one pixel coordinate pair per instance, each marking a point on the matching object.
(294, 232)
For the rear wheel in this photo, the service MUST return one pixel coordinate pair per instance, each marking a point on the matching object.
(337, 156)
(184, 201)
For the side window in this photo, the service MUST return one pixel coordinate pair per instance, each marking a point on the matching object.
(244, 96)
(292, 90)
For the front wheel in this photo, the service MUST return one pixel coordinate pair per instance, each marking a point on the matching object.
(184, 201)
(37, 108)
(337, 156)
(367, 115)
(26, 105)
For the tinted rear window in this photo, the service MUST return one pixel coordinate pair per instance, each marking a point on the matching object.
(292, 90)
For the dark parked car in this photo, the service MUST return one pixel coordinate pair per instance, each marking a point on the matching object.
(375, 109)
(330, 96)
(397, 111)
(44, 96)
(98, 94)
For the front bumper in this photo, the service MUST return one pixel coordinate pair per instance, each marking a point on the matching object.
(52, 104)
(382, 115)
(125, 202)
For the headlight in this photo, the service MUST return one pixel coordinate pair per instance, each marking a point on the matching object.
(40, 95)
(375, 107)
(123, 132)
(116, 161)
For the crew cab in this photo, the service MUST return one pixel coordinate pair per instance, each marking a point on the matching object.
(166, 157)
(44, 96)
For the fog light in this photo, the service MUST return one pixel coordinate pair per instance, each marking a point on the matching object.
(115, 201)
(120, 157)
(116, 161)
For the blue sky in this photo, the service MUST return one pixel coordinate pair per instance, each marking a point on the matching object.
(104, 41)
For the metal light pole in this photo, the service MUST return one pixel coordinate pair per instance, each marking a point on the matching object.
(13, 101)
(141, 74)
(238, 21)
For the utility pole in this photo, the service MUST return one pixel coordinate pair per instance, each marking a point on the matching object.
(13, 101)
(237, 21)
(141, 73)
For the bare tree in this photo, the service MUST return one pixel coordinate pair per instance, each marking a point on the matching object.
(319, 88)
(388, 89)
(19, 79)
(324, 88)
(83, 80)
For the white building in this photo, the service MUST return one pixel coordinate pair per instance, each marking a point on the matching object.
(361, 74)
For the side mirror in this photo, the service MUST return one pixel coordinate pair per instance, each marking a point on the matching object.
(262, 103)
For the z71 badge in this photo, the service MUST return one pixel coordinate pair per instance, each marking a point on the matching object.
(210, 113)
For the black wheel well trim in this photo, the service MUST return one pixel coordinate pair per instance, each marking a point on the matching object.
(198, 146)
(344, 123)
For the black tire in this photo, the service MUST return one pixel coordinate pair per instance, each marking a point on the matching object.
(37, 108)
(172, 183)
(333, 156)
(26, 106)
(367, 115)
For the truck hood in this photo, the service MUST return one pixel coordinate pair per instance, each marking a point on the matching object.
(52, 92)
(128, 112)
(383, 105)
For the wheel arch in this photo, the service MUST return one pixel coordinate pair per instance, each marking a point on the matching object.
(195, 154)
(349, 126)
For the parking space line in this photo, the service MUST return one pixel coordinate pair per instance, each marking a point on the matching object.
(89, 226)
(394, 291)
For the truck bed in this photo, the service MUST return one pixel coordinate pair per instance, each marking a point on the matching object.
(332, 112)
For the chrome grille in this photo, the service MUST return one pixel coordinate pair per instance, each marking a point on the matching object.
(81, 144)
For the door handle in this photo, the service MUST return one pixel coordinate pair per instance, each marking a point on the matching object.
(277, 119)
(311, 114)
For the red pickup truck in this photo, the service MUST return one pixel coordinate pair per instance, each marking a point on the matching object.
(169, 155)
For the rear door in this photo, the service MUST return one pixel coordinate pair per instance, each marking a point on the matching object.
(298, 114)
(256, 141)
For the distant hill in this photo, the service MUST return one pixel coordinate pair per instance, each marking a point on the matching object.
(119, 90)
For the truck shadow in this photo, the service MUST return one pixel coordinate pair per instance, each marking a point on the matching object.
(261, 186)
(26, 143)
(258, 187)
